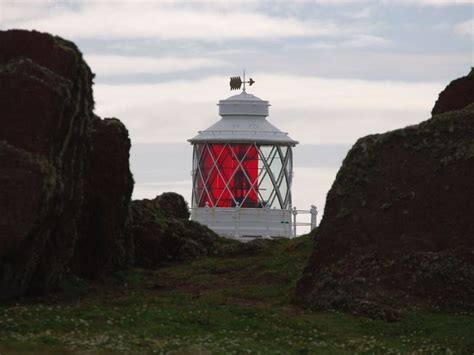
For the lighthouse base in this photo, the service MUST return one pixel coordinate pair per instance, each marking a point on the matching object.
(245, 223)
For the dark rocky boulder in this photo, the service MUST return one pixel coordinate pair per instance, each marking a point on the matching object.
(171, 204)
(50, 152)
(398, 226)
(161, 236)
(457, 95)
(104, 242)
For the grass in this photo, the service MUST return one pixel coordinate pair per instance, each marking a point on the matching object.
(234, 304)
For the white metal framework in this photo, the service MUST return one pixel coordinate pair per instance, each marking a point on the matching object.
(244, 175)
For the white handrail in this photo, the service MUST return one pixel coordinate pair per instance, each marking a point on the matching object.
(236, 221)
(314, 213)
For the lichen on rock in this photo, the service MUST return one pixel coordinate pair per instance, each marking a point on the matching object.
(398, 226)
(52, 159)
(162, 232)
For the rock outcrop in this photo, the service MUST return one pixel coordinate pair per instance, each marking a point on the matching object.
(65, 184)
(171, 205)
(162, 232)
(398, 226)
(457, 95)
(105, 242)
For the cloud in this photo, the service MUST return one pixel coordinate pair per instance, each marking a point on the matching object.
(361, 41)
(114, 65)
(439, 2)
(13, 12)
(356, 41)
(312, 109)
(363, 13)
(158, 21)
(397, 2)
(466, 28)
(391, 2)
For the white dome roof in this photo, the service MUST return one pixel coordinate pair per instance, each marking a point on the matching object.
(243, 120)
(243, 104)
(243, 96)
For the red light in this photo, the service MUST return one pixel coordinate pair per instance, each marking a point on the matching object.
(229, 175)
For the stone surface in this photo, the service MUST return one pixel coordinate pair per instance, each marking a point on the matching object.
(160, 238)
(104, 242)
(52, 157)
(171, 204)
(457, 95)
(398, 226)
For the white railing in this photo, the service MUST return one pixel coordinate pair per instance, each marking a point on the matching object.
(312, 224)
(246, 223)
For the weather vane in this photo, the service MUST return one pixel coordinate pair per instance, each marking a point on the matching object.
(236, 82)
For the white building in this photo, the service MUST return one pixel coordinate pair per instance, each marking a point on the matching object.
(242, 173)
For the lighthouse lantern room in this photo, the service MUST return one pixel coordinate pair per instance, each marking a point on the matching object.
(242, 171)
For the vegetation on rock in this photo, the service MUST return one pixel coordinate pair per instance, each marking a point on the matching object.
(66, 183)
(162, 232)
(398, 228)
(173, 205)
(66, 186)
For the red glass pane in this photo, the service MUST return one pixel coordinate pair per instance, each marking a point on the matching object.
(245, 178)
(227, 181)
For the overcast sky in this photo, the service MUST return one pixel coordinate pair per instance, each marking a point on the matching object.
(333, 70)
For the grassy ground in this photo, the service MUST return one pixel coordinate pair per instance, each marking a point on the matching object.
(234, 304)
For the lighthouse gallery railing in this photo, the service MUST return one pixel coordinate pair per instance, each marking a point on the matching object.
(240, 222)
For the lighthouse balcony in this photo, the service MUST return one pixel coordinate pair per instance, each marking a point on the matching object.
(245, 223)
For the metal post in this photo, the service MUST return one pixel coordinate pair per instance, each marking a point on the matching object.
(314, 214)
(267, 216)
(236, 219)
(295, 212)
(207, 214)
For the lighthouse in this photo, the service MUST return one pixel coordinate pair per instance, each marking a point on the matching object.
(242, 171)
